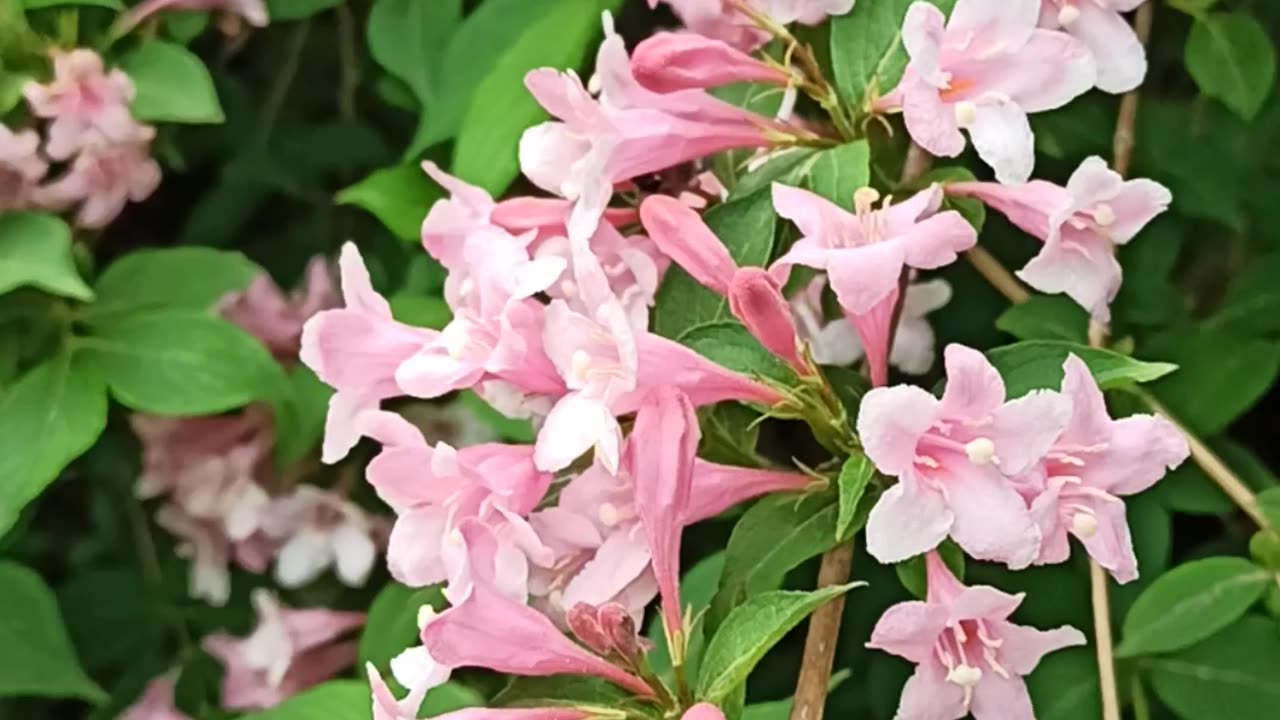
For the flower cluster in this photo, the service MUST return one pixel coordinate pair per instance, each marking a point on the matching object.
(102, 153)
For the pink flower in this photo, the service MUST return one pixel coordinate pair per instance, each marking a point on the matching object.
(253, 12)
(87, 105)
(984, 72)
(703, 711)
(156, 702)
(206, 545)
(493, 631)
(276, 319)
(969, 658)
(864, 253)
(356, 350)
(101, 180)
(953, 458)
(386, 707)
(21, 167)
(626, 132)
(721, 20)
(317, 530)
(289, 651)
(1094, 462)
(1079, 224)
(1119, 55)
(666, 62)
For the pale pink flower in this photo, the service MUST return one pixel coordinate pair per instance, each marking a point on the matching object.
(969, 658)
(1079, 224)
(865, 253)
(666, 62)
(101, 180)
(721, 20)
(703, 711)
(953, 458)
(1119, 55)
(288, 651)
(204, 543)
(318, 529)
(21, 168)
(1093, 463)
(983, 72)
(156, 702)
(231, 12)
(626, 132)
(633, 265)
(87, 105)
(356, 350)
(387, 707)
(276, 318)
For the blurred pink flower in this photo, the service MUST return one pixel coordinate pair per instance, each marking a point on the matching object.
(21, 168)
(969, 658)
(703, 711)
(953, 459)
(317, 529)
(1079, 224)
(720, 19)
(1119, 55)
(156, 702)
(288, 651)
(101, 180)
(276, 318)
(231, 13)
(88, 107)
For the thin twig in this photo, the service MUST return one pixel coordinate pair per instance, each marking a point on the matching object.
(824, 626)
(348, 63)
(1102, 639)
(997, 274)
(283, 81)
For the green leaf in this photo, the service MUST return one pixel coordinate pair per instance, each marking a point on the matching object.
(856, 472)
(516, 430)
(1230, 676)
(484, 152)
(1189, 603)
(35, 250)
(911, 572)
(1231, 58)
(731, 345)
(110, 615)
(11, 89)
(41, 4)
(836, 173)
(750, 631)
(746, 227)
(172, 85)
(297, 9)
(300, 409)
(866, 49)
(420, 311)
(1193, 7)
(1220, 375)
(181, 362)
(1251, 305)
(1269, 503)
(183, 277)
(1046, 317)
(1064, 685)
(48, 418)
(559, 690)
(697, 588)
(1187, 489)
(332, 700)
(407, 38)
(1148, 295)
(785, 166)
(1037, 364)
(38, 658)
(185, 26)
(399, 196)
(392, 624)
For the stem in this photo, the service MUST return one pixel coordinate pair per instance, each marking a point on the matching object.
(284, 80)
(348, 63)
(1102, 639)
(824, 626)
(997, 274)
(1141, 707)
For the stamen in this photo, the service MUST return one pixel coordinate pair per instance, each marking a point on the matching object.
(864, 198)
(455, 344)
(980, 450)
(989, 654)
(966, 677)
(608, 514)
(966, 113)
(1084, 524)
(454, 537)
(1104, 215)
(1068, 15)
(426, 614)
(927, 461)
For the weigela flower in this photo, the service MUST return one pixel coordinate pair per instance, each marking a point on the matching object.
(1119, 55)
(721, 19)
(953, 459)
(1080, 224)
(21, 168)
(101, 180)
(318, 529)
(230, 12)
(666, 62)
(86, 105)
(969, 658)
(276, 318)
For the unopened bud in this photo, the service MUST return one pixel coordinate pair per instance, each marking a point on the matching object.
(618, 624)
(583, 622)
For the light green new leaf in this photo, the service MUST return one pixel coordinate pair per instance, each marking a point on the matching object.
(484, 152)
(49, 417)
(836, 173)
(333, 700)
(38, 658)
(1231, 676)
(399, 196)
(856, 472)
(408, 37)
(1231, 58)
(749, 632)
(1037, 364)
(298, 9)
(11, 89)
(392, 624)
(182, 362)
(35, 250)
(1046, 317)
(1191, 602)
(866, 49)
(172, 85)
(191, 278)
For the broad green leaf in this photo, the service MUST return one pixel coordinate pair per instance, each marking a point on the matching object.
(185, 26)
(1064, 685)
(399, 196)
(1046, 317)
(560, 690)
(183, 277)
(866, 49)
(911, 572)
(731, 345)
(332, 700)
(48, 418)
(110, 614)
(300, 409)
(786, 166)
(392, 624)
(1251, 305)
(40, 4)
(1230, 676)
(1191, 602)
(1037, 364)
(420, 311)
(730, 434)
(1231, 58)
(746, 227)
(749, 632)
(38, 658)
(408, 37)
(172, 85)
(1204, 174)
(1188, 489)
(500, 110)
(181, 362)
(1078, 129)
(856, 472)
(836, 173)
(297, 9)
(1148, 296)
(1220, 375)
(35, 251)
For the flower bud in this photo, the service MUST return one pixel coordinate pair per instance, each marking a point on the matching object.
(619, 626)
(669, 62)
(756, 300)
(584, 623)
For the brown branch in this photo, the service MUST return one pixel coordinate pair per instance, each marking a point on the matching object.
(824, 626)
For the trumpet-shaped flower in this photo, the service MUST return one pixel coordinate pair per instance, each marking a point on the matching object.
(101, 180)
(87, 105)
(1117, 51)
(667, 62)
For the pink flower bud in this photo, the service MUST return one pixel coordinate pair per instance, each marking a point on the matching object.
(617, 623)
(584, 623)
(668, 62)
(756, 300)
(681, 235)
(703, 711)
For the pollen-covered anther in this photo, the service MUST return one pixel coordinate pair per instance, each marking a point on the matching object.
(608, 514)
(580, 364)
(966, 113)
(1104, 215)
(864, 198)
(1084, 524)
(980, 450)
(1068, 15)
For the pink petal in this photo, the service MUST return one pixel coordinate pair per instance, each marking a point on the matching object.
(1002, 136)
(1142, 449)
(1024, 429)
(617, 563)
(863, 276)
(890, 423)
(1004, 25)
(935, 241)
(717, 487)
(1090, 423)
(1024, 646)
(820, 221)
(1110, 544)
(1087, 273)
(1120, 57)
(413, 551)
(666, 362)
(998, 698)
(906, 521)
(667, 62)
(928, 696)
(930, 121)
(1138, 203)
(1028, 205)
(681, 235)
(1051, 70)
(756, 300)
(974, 388)
(910, 630)
(575, 425)
(922, 37)
(1093, 182)
(992, 521)
(982, 603)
